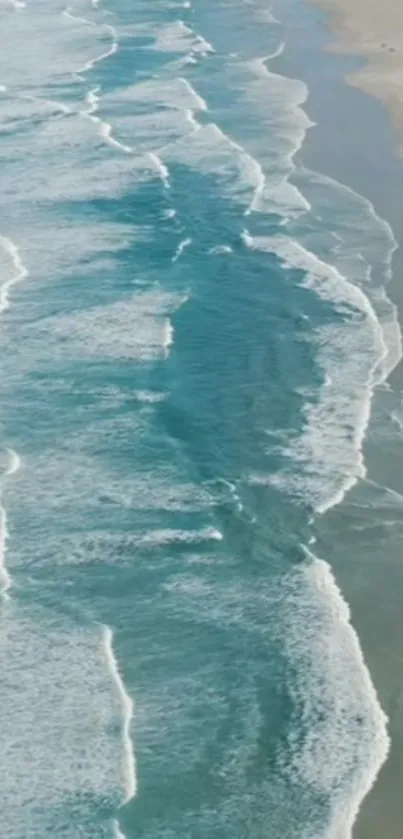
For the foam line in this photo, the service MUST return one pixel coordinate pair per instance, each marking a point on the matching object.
(106, 27)
(233, 493)
(181, 247)
(329, 284)
(397, 496)
(204, 47)
(220, 249)
(112, 49)
(161, 168)
(158, 538)
(129, 764)
(60, 105)
(19, 272)
(300, 94)
(92, 99)
(168, 337)
(5, 580)
(277, 52)
(339, 644)
(200, 104)
(192, 119)
(106, 133)
(255, 167)
(71, 16)
(14, 464)
(105, 129)
(117, 833)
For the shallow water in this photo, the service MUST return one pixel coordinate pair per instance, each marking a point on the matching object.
(193, 326)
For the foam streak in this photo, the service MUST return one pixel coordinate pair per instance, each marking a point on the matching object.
(105, 129)
(181, 247)
(129, 765)
(5, 580)
(18, 272)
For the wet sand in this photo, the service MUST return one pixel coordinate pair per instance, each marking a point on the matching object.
(373, 30)
(363, 537)
(354, 142)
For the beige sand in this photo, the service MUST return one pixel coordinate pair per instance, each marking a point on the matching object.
(374, 29)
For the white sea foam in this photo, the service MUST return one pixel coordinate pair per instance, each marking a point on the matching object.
(268, 153)
(5, 581)
(220, 249)
(137, 327)
(364, 249)
(162, 170)
(277, 52)
(149, 396)
(12, 266)
(58, 44)
(288, 124)
(78, 482)
(68, 13)
(209, 150)
(178, 37)
(157, 538)
(168, 337)
(105, 129)
(129, 766)
(13, 464)
(377, 240)
(165, 114)
(251, 167)
(198, 103)
(106, 133)
(175, 93)
(233, 491)
(108, 332)
(63, 757)
(280, 100)
(351, 353)
(51, 103)
(97, 246)
(110, 51)
(68, 146)
(13, 271)
(148, 131)
(355, 355)
(117, 833)
(183, 244)
(344, 740)
(103, 28)
(397, 419)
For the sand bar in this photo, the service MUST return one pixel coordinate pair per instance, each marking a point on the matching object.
(374, 30)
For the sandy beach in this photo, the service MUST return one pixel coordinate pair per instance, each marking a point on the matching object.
(373, 30)
(367, 561)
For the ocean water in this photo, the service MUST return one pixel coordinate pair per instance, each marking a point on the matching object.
(192, 329)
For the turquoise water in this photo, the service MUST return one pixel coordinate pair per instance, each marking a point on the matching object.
(192, 329)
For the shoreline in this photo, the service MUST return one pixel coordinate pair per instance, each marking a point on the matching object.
(361, 537)
(361, 30)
